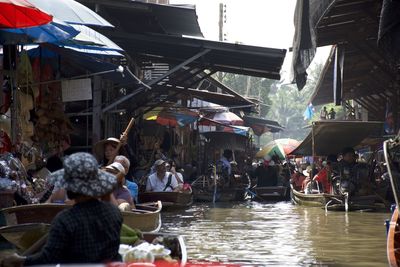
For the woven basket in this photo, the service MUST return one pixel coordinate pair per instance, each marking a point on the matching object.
(6, 199)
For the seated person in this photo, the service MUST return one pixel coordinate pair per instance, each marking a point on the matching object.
(297, 179)
(88, 232)
(121, 194)
(132, 186)
(225, 161)
(161, 180)
(59, 195)
(267, 174)
(323, 178)
(347, 169)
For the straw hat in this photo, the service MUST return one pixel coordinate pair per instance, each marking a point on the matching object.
(81, 175)
(98, 149)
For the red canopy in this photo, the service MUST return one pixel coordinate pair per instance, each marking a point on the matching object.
(21, 14)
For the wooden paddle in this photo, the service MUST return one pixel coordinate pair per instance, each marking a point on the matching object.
(125, 133)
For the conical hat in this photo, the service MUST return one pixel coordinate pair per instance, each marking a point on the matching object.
(98, 148)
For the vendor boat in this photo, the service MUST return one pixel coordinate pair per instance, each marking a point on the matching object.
(206, 189)
(315, 200)
(146, 217)
(29, 238)
(169, 200)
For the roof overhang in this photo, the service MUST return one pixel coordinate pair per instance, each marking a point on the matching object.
(135, 16)
(353, 27)
(330, 137)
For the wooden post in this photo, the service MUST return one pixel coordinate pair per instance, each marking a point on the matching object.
(313, 149)
(96, 116)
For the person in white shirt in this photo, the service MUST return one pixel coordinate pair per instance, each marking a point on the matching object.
(161, 180)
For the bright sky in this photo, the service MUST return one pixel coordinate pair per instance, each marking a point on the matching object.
(267, 23)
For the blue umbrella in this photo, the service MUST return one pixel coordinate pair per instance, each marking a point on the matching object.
(91, 41)
(72, 12)
(48, 33)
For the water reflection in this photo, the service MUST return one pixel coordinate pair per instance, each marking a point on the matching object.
(280, 234)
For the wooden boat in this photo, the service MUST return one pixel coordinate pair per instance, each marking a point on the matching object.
(364, 203)
(270, 193)
(170, 200)
(315, 200)
(145, 217)
(224, 195)
(33, 213)
(25, 235)
(30, 237)
(337, 202)
(204, 190)
(393, 240)
(391, 150)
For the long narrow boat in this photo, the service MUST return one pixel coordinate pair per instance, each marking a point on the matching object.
(270, 193)
(224, 195)
(145, 217)
(170, 200)
(337, 202)
(204, 190)
(30, 237)
(315, 200)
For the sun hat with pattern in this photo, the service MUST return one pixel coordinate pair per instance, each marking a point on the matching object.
(81, 175)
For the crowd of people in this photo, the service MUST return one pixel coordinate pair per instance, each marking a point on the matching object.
(98, 187)
(335, 172)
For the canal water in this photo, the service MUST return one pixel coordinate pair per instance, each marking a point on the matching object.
(279, 234)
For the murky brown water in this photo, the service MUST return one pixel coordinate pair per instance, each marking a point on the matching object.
(280, 234)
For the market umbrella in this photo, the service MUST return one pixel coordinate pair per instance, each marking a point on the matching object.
(20, 14)
(226, 117)
(171, 117)
(287, 144)
(49, 33)
(72, 12)
(89, 38)
(89, 41)
(280, 147)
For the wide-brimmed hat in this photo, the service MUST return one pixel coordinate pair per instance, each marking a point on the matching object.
(81, 175)
(98, 148)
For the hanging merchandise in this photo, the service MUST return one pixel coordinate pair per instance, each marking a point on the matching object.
(52, 126)
(24, 96)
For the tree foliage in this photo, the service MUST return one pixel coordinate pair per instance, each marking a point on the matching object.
(253, 87)
(279, 102)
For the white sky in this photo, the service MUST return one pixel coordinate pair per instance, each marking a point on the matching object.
(267, 23)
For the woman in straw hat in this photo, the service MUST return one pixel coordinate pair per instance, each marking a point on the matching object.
(89, 232)
(105, 150)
